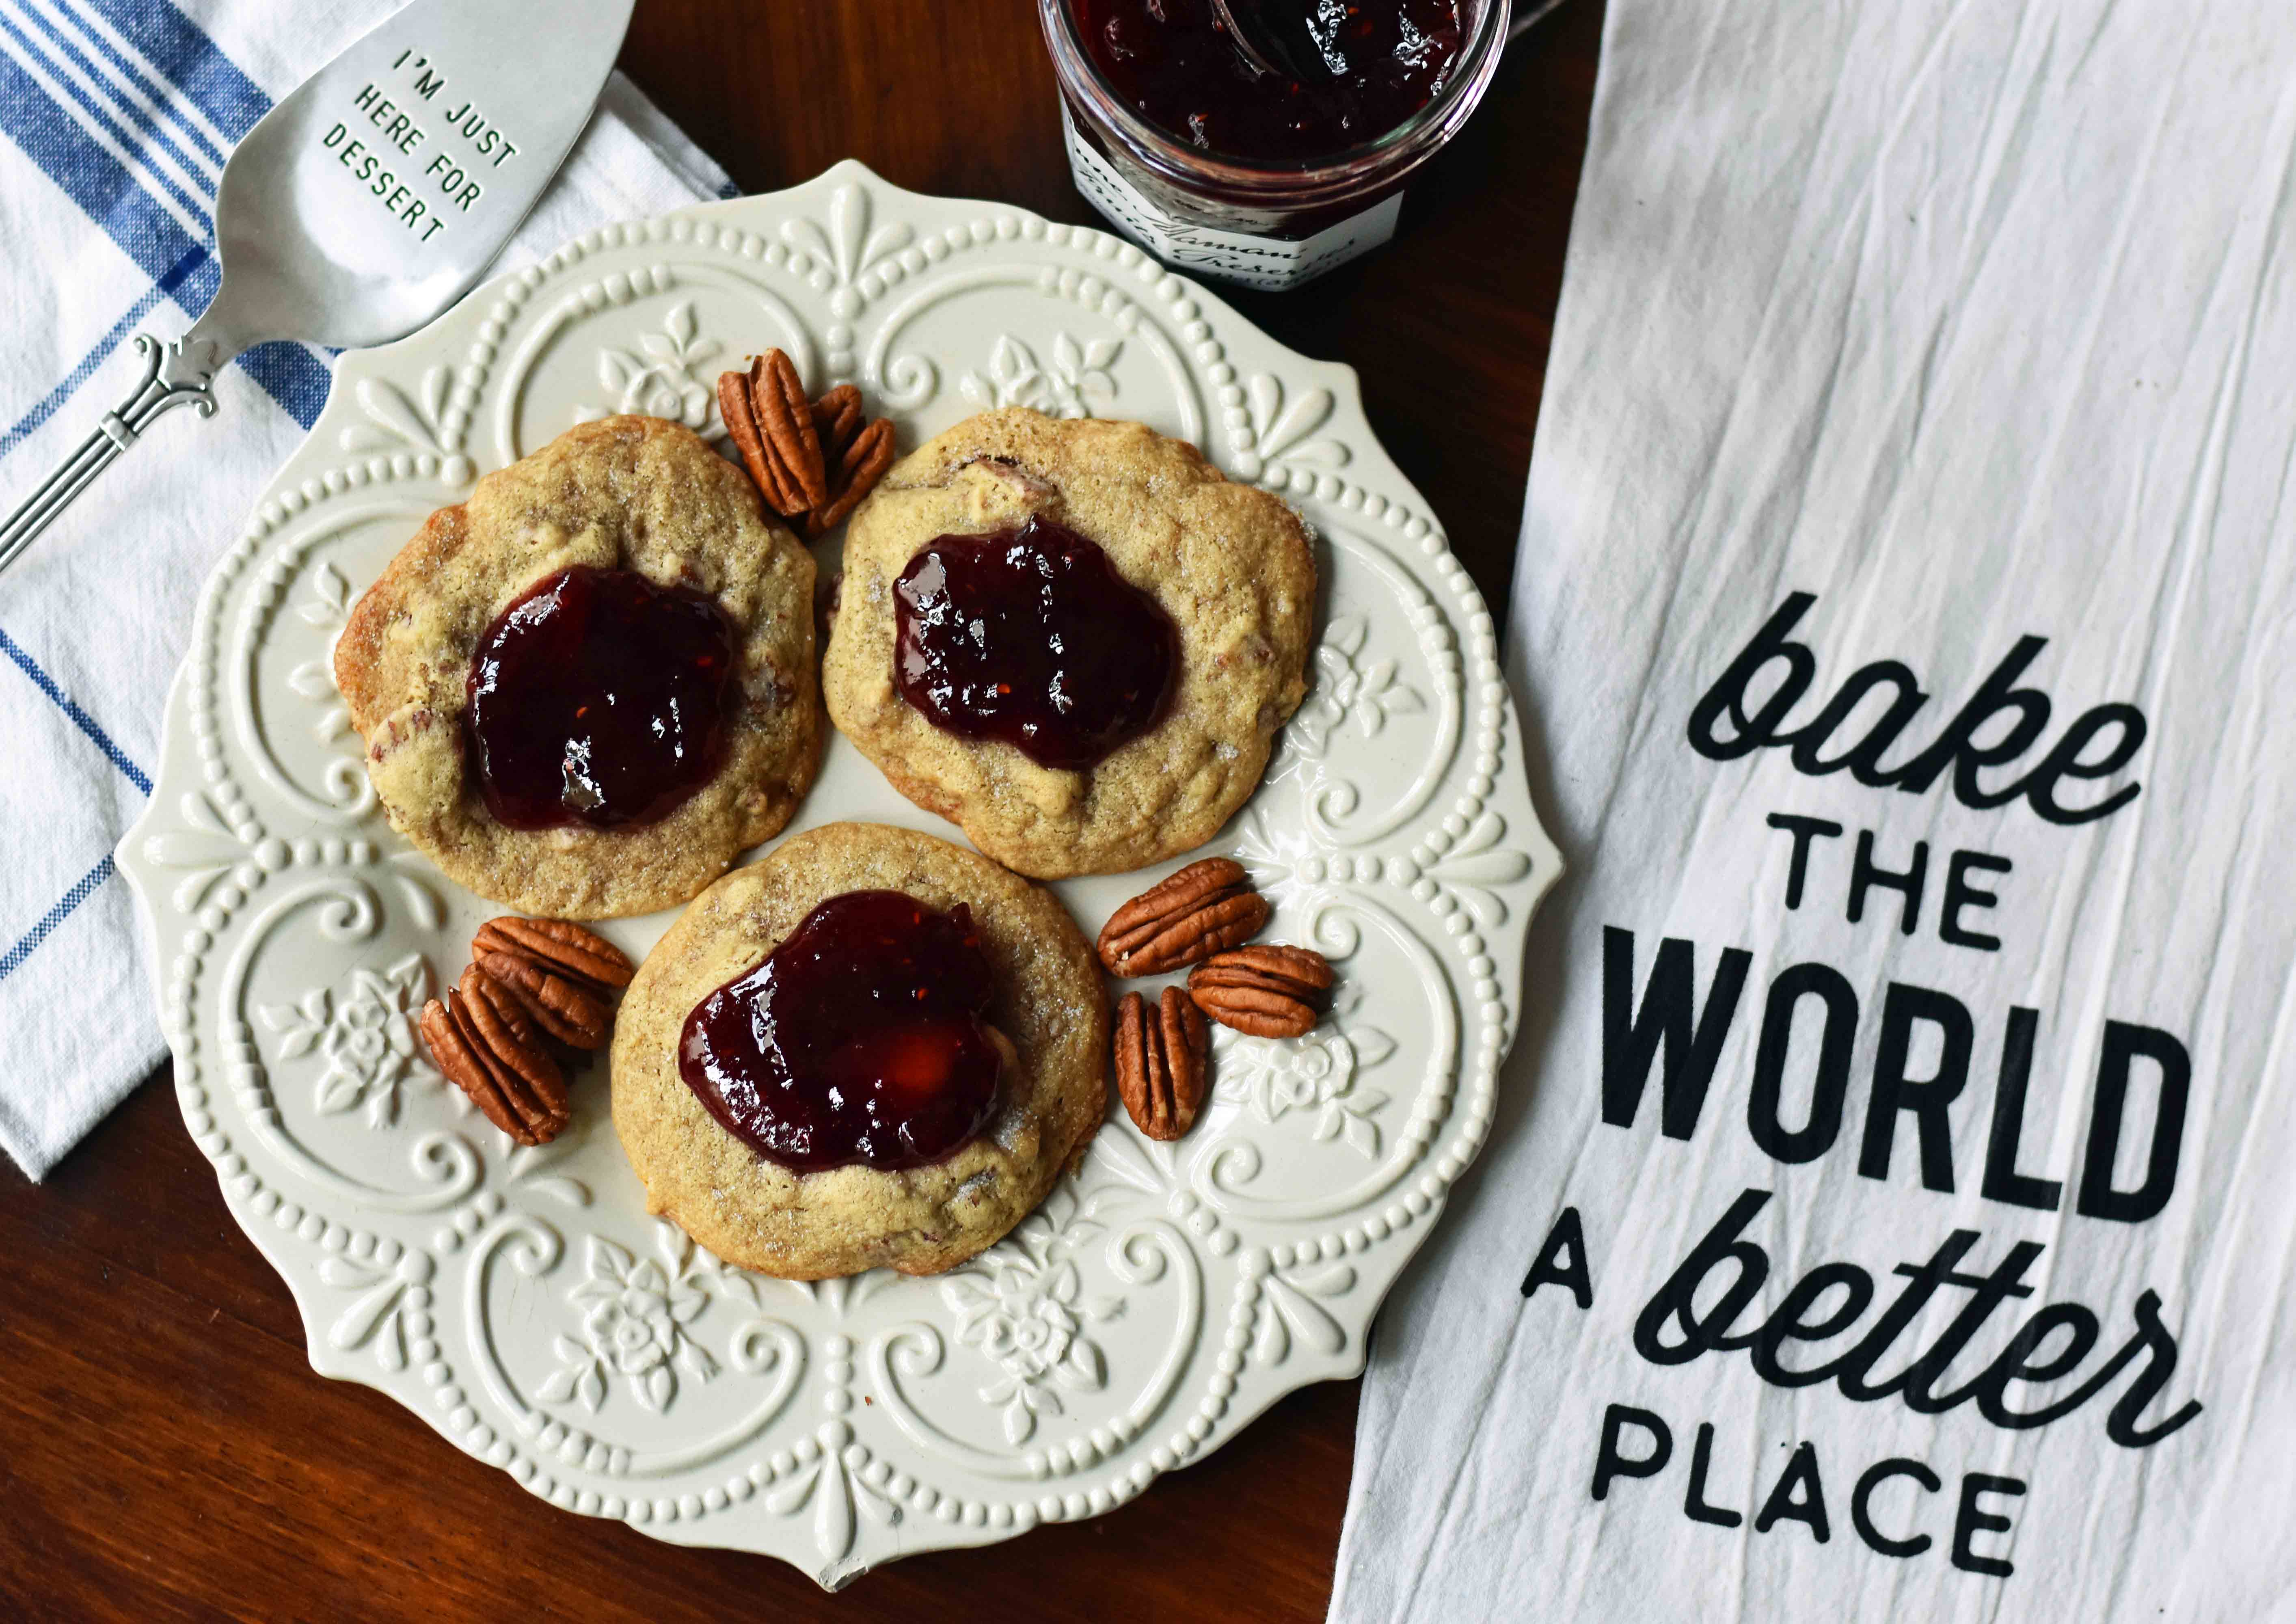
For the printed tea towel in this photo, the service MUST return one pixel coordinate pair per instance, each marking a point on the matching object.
(116, 117)
(1892, 1209)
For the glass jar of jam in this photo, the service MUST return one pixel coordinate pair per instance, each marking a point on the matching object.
(1228, 170)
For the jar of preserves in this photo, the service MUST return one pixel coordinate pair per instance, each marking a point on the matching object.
(1233, 168)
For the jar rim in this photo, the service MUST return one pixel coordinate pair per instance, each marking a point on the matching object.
(1345, 171)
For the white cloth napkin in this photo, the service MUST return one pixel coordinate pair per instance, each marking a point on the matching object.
(1974, 320)
(117, 115)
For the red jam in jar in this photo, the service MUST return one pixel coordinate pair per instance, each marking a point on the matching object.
(599, 698)
(1029, 636)
(1173, 64)
(860, 1040)
(1266, 167)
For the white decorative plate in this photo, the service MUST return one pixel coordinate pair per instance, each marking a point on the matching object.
(520, 1301)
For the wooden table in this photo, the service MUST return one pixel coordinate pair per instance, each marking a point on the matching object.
(165, 1450)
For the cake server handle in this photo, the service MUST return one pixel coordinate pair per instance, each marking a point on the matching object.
(171, 378)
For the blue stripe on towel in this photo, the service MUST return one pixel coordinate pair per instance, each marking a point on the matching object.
(81, 890)
(291, 375)
(91, 176)
(153, 129)
(193, 203)
(125, 71)
(64, 702)
(172, 43)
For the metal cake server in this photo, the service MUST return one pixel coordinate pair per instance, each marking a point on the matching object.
(367, 202)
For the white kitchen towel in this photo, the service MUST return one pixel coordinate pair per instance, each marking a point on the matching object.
(1892, 1209)
(117, 115)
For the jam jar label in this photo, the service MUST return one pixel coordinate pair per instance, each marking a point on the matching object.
(1233, 255)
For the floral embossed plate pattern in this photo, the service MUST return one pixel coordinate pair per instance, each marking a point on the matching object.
(520, 1300)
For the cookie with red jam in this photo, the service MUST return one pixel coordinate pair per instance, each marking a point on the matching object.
(1076, 639)
(587, 687)
(871, 1048)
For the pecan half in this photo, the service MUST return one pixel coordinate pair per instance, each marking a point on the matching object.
(1160, 1062)
(837, 419)
(557, 945)
(742, 428)
(772, 425)
(861, 463)
(561, 1006)
(560, 973)
(1205, 908)
(785, 419)
(484, 1045)
(1268, 992)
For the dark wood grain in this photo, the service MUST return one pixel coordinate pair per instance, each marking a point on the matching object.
(166, 1451)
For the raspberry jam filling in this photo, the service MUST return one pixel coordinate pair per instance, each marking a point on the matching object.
(858, 1039)
(1172, 64)
(1030, 636)
(599, 698)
